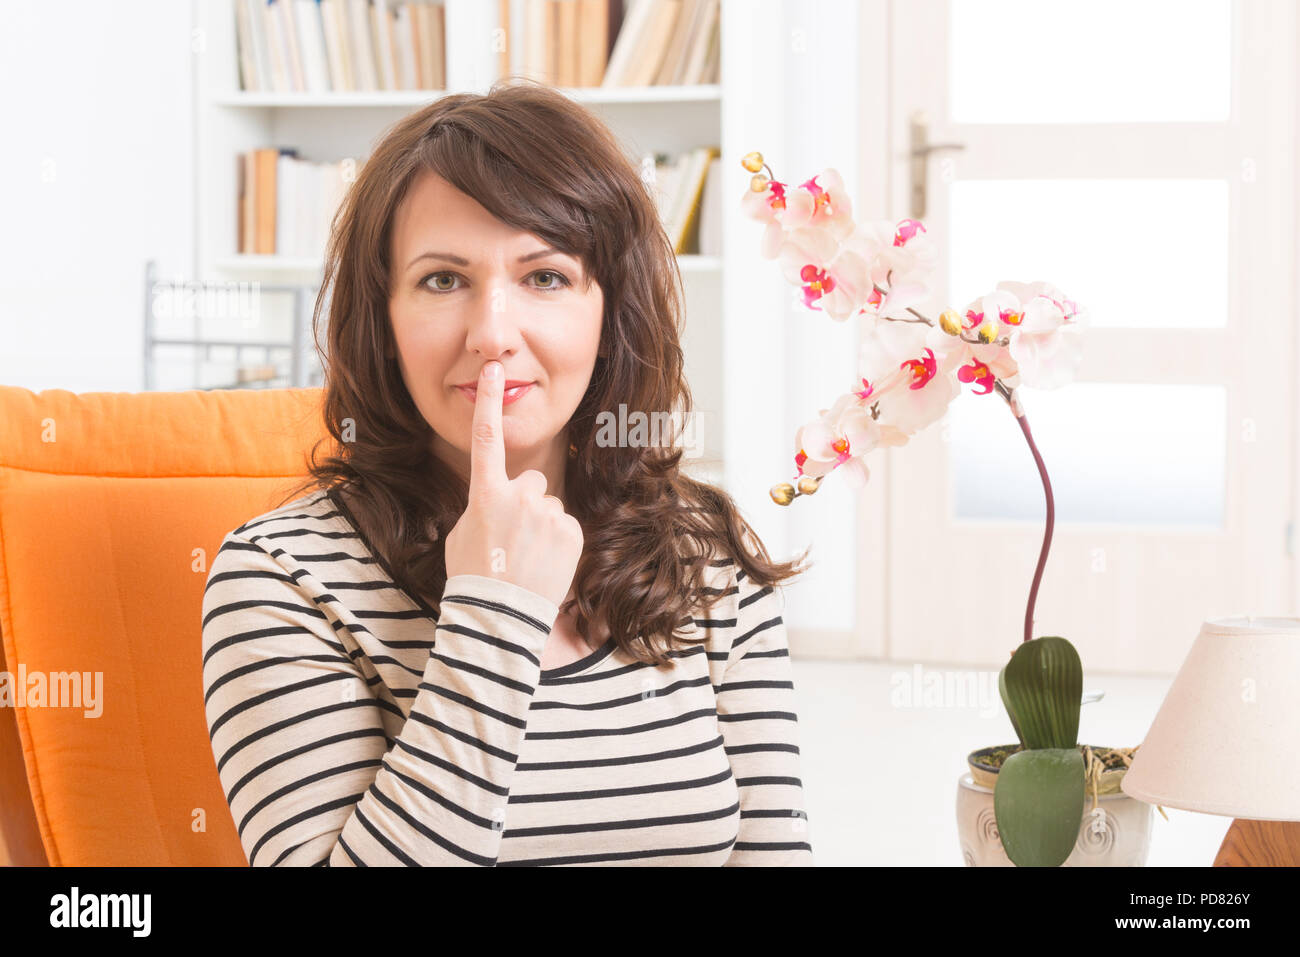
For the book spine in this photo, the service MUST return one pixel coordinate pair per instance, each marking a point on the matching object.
(361, 45)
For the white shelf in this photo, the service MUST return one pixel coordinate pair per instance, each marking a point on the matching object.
(276, 264)
(408, 98)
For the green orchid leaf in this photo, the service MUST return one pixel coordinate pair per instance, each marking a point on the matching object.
(1042, 687)
(1006, 704)
(1038, 804)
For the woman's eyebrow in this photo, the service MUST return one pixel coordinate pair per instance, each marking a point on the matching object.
(462, 261)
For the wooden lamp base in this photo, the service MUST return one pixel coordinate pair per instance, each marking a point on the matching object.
(1260, 844)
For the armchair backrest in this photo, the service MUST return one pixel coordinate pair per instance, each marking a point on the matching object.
(111, 507)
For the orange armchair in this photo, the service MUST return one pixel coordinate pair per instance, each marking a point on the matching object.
(111, 507)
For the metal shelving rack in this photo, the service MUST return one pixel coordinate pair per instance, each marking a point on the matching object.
(301, 372)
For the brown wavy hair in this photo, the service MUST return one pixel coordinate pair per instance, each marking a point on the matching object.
(546, 165)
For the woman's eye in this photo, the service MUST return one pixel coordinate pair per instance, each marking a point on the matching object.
(435, 281)
(552, 285)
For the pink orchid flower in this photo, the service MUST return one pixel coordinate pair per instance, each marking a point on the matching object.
(1047, 344)
(900, 258)
(767, 207)
(980, 363)
(894, 354)
(838, 440)
(829, 278)
(825, 204)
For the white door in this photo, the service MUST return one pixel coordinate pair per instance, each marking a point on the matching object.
(1138, 154)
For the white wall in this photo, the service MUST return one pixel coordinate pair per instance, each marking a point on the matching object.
(96, 172)
(822, 44)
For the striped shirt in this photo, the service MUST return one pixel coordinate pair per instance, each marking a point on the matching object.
(352, 727)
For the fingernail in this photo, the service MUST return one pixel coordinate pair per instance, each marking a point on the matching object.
(492, 371)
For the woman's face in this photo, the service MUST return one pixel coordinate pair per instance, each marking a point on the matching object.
(467, 289)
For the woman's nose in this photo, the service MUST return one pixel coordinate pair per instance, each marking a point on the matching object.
(491, 325)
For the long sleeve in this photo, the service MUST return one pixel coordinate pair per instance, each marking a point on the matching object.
(756, 715)
(311, 775)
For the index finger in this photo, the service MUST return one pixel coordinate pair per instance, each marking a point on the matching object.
(487, 452)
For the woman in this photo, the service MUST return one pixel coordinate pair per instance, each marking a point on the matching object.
(485, 635)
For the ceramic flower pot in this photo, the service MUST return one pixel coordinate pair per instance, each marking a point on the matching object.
(1116, 833)
(985, 763)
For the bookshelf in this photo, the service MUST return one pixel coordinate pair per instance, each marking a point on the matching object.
(729, 301)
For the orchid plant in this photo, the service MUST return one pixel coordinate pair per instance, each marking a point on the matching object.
(911, 368)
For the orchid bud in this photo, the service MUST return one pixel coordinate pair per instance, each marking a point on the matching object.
(988, 331)
(950, 322)
(752, 161)
(809, 484)
(782, 494)
(759, 183)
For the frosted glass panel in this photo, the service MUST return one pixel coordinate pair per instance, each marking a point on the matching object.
(1115, 452)
(1149, 253)
(1104, 61)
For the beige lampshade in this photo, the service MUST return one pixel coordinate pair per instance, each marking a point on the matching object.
(1227, 737)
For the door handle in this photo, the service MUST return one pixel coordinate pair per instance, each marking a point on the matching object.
(919, 154)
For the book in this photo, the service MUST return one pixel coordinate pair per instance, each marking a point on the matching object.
(648, 32)
(273, 31)
(327, 46)
(286, 200)
(565, 49)
(311, 40)
(244, 34)
(286, 203)
(404, 53)
(593, 41)
(634, 22)
(703, 45)
(416, 14)
(678, 190)
(709, 239)
(335, 45)
(536, 35)
(289, 41)
(689, 194)
(651, 50)
(359, 48)
(432, 45)
(382, 25)
(670, 70)
(264, 194)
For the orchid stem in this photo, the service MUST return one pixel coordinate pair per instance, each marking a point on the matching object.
(1051, 511)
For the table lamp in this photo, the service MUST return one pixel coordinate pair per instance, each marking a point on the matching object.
(1227, 739)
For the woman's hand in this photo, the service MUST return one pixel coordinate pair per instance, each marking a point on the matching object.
(511, 529)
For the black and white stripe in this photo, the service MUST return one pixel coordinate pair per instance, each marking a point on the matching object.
(351, 728)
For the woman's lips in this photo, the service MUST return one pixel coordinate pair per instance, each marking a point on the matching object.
(512, 395)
